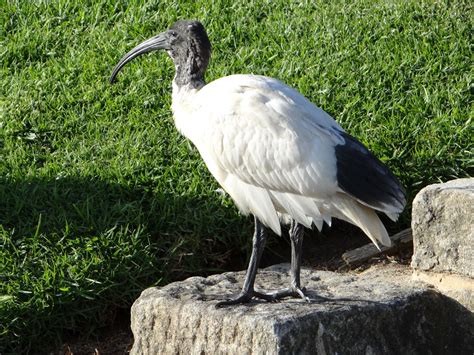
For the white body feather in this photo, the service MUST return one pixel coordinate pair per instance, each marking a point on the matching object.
(272, 150)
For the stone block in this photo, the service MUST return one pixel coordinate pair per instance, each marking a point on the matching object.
(443, 228)
(380, 311)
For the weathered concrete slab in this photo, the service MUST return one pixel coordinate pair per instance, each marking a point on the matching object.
(443, 228)
(380, 311)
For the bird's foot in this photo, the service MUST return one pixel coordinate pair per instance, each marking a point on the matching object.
(246, 297)
(293, 291)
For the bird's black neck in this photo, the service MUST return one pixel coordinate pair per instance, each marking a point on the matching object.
(190, 69)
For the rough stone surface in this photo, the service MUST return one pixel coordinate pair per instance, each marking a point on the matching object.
(443, 228)
(379, 311)
(461, 288)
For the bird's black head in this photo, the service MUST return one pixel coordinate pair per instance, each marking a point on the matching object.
(186, 43)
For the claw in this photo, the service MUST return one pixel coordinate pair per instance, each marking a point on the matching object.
(275, 296)
(246, 297)
(296, 292)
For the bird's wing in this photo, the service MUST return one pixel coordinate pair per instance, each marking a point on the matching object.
(361, 175)
(268, 135)
(273, 150)
(268, 146)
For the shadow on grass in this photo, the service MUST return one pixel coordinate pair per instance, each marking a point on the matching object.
(74, 250)
(95, 206)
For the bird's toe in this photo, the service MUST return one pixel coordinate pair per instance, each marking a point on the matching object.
(246, 297)
(295, 292)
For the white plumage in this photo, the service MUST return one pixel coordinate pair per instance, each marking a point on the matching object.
(276, 154)
(272, 150)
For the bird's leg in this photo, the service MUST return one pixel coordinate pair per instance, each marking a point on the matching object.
(295, 290)
(248, 291)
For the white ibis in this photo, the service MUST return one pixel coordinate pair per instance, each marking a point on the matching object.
(279, 157)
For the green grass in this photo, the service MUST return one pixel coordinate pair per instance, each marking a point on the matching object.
(99, 195)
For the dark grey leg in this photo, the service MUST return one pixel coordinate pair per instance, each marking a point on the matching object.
(248, 291)
(295, 290)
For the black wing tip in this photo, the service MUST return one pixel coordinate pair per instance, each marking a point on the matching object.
(399, 199)
(361, 175)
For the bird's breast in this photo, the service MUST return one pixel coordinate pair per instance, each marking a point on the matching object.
(186, 113)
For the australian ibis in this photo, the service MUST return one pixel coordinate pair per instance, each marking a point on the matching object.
(279, 157)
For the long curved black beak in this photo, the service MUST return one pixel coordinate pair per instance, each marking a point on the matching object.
(160, 41)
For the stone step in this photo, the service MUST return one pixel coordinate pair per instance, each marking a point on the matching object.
(443, 238)
(443, 228)
(379, 311)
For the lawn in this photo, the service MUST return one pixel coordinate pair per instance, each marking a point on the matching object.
(99, 195)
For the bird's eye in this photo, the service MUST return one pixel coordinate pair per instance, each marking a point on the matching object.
(172, 36)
